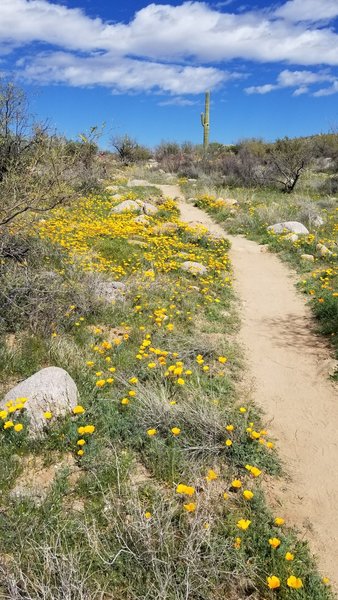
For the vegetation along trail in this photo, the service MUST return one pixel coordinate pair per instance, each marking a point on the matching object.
(288, 365)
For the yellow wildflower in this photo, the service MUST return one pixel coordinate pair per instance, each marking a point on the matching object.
(273, 582)
(100, 383)
(211, 475)
(236, 483)
(274, 542)
(294, 582)
(185, 489)
(243, 524)
(190, 507)
(248, 494)
(175, 431)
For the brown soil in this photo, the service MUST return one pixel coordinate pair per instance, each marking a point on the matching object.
(288, 366)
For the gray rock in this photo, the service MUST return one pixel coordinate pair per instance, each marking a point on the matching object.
(51, 389)
(126, 206)
(308, 257)
(167, 227)
(149, 209)
(111, 188)
(141, 219)
(108, 291)
(195, 268)
(323, 250)
(293, 226)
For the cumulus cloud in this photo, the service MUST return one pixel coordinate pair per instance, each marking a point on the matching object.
(175, 49)
(123, 73)
(308, 10)
(301, 80)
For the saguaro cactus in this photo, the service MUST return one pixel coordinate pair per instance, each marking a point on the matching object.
(205, 119)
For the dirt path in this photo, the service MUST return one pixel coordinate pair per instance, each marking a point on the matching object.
(289, 369)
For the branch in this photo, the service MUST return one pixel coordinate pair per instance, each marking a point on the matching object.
(32, 209)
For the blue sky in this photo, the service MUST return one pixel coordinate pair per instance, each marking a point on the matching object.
(142, 67)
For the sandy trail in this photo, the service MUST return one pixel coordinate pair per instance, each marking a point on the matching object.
(288, 365)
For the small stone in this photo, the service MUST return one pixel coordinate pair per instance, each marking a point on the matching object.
(164, 228)
(142, 219)
(149, 209)
(126, 206)
(106, 290)
(323, 250)
(308, 257)
(195, 268)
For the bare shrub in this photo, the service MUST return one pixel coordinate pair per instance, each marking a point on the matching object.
(32, 294)
(129, 150)
(38, 171)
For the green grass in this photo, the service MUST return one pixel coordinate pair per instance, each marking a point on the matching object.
(90, 538)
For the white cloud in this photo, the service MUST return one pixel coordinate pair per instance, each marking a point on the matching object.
(261, 89)
(177, 101)
(308, 10)
(298, 79)
(173, 49)
(123, 74)
(328, 91)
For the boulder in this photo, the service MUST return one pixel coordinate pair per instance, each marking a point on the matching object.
(293, 226)
(51, 389)
(308, 257)
(126, 206)
(149, 209)
(195, 268)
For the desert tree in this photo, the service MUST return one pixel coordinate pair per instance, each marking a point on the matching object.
(286, 160)
(37, 169)
(129, 151)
